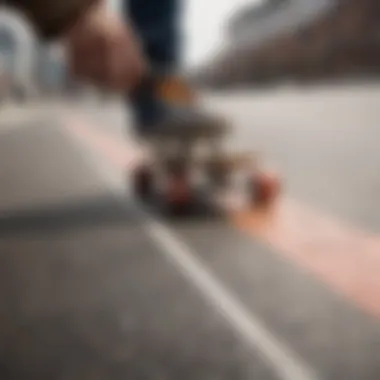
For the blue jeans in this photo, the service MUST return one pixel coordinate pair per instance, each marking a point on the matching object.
(157, 24)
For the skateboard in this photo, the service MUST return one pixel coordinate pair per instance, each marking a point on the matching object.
(179, 166)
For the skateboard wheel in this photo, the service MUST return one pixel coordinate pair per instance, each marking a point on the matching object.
(143, 182)
(178, 195)
(264, 188)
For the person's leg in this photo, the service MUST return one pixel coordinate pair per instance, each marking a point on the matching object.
(157, 22)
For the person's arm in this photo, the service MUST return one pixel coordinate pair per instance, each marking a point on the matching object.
(51, 18)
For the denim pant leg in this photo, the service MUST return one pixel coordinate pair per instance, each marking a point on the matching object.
(157, 24)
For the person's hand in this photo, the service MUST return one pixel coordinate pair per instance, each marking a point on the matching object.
(104, 51)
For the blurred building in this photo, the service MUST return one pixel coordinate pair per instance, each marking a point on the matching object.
(299, 39)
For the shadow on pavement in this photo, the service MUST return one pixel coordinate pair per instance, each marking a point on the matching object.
(102, 210)
(200, 210)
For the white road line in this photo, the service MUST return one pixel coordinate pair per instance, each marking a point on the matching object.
(251, 330)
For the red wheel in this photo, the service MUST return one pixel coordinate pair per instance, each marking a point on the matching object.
(143, 182)
(179, 194)
(264, 188)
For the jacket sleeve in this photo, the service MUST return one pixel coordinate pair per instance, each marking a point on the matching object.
(50, 18)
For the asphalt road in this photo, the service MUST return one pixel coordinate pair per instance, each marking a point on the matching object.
(93, 287)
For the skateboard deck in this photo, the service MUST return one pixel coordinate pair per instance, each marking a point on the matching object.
(191, 132)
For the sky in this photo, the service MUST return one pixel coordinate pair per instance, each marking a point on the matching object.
(204, 22)
(203, 25)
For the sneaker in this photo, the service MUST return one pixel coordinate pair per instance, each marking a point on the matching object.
(168, 108)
